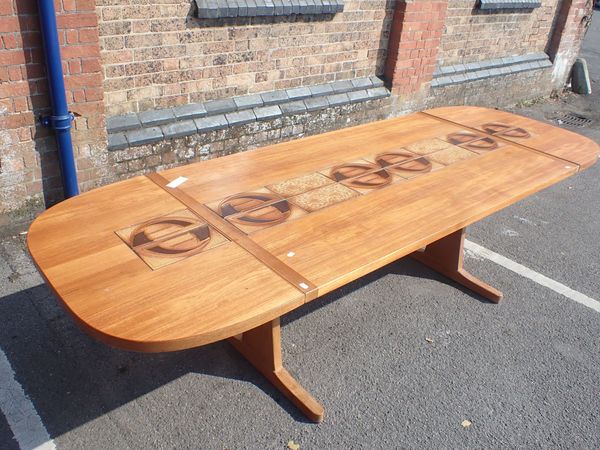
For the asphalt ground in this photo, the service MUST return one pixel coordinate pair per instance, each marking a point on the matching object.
(399, 358)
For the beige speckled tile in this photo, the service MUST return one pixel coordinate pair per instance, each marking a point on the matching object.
(324, 196)
(428, 146)
(451, 155)
(295, 186)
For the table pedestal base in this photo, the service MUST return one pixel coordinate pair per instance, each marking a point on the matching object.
(446, 257)
(261, 346)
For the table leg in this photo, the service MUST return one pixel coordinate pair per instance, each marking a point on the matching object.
(446, 257)
(261, 346)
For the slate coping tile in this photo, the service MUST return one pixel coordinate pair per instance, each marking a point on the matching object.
(122, 123)
(220, 106)
(358, 96)
(361, 83)
(117, 141)
(316, 103)
(267, 112)
(240, 117)
(342, 86)
(298, 93)
(156, 117)
(248, 101)
(377, 82)
(189, 111)
(273, 97)
(210, 123)
(378, 92)
(144, 136)
(296, 107)
(179, 129)
(338, 99)
(321, 89)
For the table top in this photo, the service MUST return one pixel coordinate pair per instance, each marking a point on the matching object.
(149, 264)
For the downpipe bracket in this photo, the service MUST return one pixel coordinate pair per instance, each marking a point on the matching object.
(62, 122)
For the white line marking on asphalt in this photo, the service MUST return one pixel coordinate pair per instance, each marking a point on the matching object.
(22, 418)
(526, 272)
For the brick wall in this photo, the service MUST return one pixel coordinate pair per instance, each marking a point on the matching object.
(28, 157)
(474, 35)
(123, 56)
(415, 37)
(156, 54)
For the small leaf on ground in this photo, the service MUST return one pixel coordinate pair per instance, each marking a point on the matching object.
(293, 446)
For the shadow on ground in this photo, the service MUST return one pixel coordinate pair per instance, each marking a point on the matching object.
(73, 379)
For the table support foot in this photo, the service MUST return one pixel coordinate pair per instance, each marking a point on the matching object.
(446, 257)
(261, 346)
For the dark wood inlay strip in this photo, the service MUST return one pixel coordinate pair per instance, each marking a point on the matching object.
(234, 234)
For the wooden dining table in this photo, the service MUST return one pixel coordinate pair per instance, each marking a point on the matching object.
(222, 248)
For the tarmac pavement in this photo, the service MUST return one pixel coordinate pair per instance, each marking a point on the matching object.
(399, 358)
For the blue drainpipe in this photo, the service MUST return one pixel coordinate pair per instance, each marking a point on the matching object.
(61, 118)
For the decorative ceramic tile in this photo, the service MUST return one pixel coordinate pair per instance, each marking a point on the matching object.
(305, 183)
(370, 181)
(461, 137)
(428, 146)
(350, 169)
(324, 196)
(244, 201)
(266, 216)
(483, 145)
(451, 155)
(416, 167)
(506, 131)
(392, 157)
(171, 238)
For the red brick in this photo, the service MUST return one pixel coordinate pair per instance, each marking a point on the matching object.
(20, 104)
(77, 20)
(90, 65)
(94, 94)
(86, 5)
(83, 80)
(74, 66)
(79, 96)
(6, 8)
(15, 73)
(12, 41)
(89, 35)
(11, 57)
(72, 36)
(79, 51)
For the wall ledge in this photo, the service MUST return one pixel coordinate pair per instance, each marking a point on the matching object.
(219, 9)
(152, 126)
(464, 73)
(509, 4)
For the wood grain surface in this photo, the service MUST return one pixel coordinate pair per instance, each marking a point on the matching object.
(91, 248)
